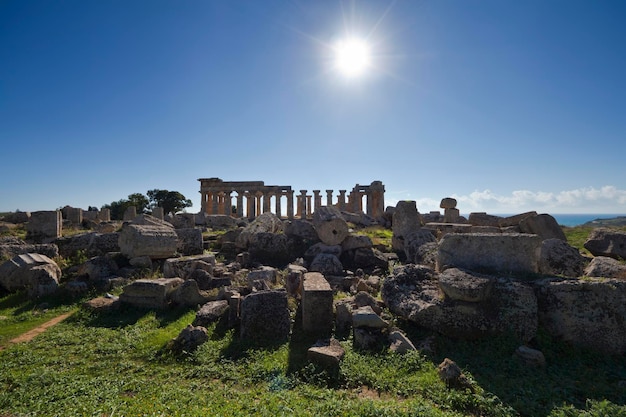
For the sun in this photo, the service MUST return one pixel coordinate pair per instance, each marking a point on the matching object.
(352, 57)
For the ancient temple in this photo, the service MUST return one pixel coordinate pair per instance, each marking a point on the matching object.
(252, 198)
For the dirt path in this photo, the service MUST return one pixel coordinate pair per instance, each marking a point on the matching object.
(30, 335)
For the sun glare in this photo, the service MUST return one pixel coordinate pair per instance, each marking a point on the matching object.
(352, 57)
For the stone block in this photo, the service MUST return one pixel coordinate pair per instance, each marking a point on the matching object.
(448, 203)
(44, 226)
(130, 214)
(484, 219)
(543, 225)
(451, 215)
(406, 220)
(317, 305)
(190, 241)
(211, 312)
(74, 215)
(504, 253)
(326, 353)
(157, 242)
(27, 271)
(264, 318)
(149, 293)
(158, 213)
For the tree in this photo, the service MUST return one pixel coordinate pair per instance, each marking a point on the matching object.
(170, 201)
(118, 208)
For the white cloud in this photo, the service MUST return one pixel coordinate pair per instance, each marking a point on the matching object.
(606, 199)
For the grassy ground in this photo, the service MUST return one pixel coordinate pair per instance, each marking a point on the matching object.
(116, 364)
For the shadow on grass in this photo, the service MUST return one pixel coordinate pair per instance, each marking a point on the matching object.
(128, 316)
(22, 303)
(573, 375)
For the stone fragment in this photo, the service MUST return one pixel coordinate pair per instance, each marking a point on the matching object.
(211, 312)
(190, 241)
(265, 223)
(11, 250)
(448, 203)
(317, 305)
(343, 316)
(183, 267)
(157, 242)
(330, 226)
(189, 294)
(449, 372)
(484, 219)
(400, 343)
(102, 304)
(302, 229)
(465, 286)
(32, 271)
(294, 279)
(532, 357)
(451, 215)
(326, 264)
(542, 225)
(367, 338)
(98, 268)
(605, 267)
(328, 353)
(607, 242)
(264, 318)
(265, 273)
(559, 258)
(190, 338)
(141, 262)
(366, 317)
(516, 219)
(504, 253)
(406, 220)
(150, 293)
(353, 242)
(89, 244)
(319, 248)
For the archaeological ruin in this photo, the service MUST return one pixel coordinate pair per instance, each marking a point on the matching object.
(217, 198)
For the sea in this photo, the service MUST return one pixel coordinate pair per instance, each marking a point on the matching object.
(572, 220)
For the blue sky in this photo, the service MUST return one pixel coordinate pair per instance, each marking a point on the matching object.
(507, 106)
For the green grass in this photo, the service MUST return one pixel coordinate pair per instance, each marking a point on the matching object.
(378, 234)
(117, 363)
(576, 237)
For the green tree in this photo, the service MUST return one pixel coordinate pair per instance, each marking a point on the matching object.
(118, 208)
(171, 201)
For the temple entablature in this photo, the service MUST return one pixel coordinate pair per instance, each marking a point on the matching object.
(227, 197)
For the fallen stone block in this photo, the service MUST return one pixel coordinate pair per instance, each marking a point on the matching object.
(150, 293)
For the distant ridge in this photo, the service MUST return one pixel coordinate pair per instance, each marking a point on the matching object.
(614, 222)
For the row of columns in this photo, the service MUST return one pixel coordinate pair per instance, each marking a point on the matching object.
(219, 201)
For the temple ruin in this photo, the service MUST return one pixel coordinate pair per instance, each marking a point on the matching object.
(217, 198)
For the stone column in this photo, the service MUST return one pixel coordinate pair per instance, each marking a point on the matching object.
(239, 204)
(104, 215)
(329, 197)
(308, 205)
(251, 204)
(158, 213)
(377, 194)
(279, 195)
(214, 203)
(258, 196)
(341, 202)
(202, 202)
(220, 202)
(290, 204)
(302, 204)
(317, 200)
(267, 197)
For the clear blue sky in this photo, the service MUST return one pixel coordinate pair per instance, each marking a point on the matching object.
(506, 105)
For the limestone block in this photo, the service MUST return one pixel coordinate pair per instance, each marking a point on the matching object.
(413, 241)
(149, 293)
(326, 264)
(130, 214)
(90, 244)
(219, 221)
(158, 213)
(190, 241)
(320, 247)
(607, 242)
(210, 313)
(75, 215)
(157, 242)
(265, 273)
(366, 317)
(442, 229)
(400, 343)
(44, 226)
(516, 219)
(330, 226)
(588, 312)
(484, 219)
(27, 270)
(353, 242)
(104, 215)
(605, 267)
(264, 318)
(11, 250)
(183, 267)
(465, 286)
(326, 353)
(543, 225)
(317, 305)
(504, 253)
(98, 268)
(451, 215)
(487, 229)
(559, 258)
(406, 220)
(190, 338)
(448, 203)
(189, 294)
